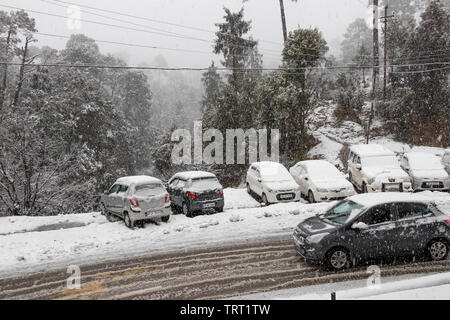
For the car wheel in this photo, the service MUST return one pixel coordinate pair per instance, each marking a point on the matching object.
(337, 259)
(187, 211)
(311, 197)
(437, 250)
(264, 199)
(249, 190)
(220, 209)
(128, 222)
(364, 188)
(165, 218)
(175, 209)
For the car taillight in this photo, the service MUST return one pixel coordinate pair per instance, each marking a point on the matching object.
(166, 199)
(134, 202)
(447, 222)
(221, 193)
(193, 196)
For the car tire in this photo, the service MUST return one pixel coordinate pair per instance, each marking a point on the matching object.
(175, 209)
(249, 190)
(219, 209)
(364, 188)
(128, 222)
(165, 219)
(264, 199)
(437, 249)
(187, 211)
(337, 259)
(109, 216)
(311, 197)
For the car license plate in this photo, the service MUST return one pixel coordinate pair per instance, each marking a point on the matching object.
(432, 184)
(208, 205)
(285, 196)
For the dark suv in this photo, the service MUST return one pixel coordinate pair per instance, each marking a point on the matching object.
(195, 191)
(373, 226)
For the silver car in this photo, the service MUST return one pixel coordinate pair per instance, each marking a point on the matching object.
(136, 199)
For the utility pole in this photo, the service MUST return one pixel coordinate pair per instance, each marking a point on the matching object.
(375, 66)
(283, 20)
(385, 20)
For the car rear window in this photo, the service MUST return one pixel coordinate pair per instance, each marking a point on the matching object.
(343, 212)
(150, 189)
(206, 183)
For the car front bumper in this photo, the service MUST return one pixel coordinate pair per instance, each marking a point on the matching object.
(332, 196)
(278, 197)
(307, 252)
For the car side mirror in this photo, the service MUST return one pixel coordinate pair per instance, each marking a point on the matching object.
(259, 180)
(105, 192)
(359, 226)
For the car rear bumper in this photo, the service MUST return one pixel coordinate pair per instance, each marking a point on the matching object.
(204, 205)
(150, 215)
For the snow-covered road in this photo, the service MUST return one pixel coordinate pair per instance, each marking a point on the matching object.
(31, 244)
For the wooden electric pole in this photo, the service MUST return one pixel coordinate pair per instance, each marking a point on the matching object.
(385, 20)
(375, 67)
(283, 20)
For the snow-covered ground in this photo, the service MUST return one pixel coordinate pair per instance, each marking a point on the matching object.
(410, 287)
(36, 243)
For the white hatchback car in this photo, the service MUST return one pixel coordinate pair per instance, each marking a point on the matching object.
(426, 171)
(319, 180)
(272, 182)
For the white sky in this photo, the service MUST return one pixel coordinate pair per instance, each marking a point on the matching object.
(331, 17)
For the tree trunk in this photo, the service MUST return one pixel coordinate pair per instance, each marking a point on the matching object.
(5, 71)
(21, 73)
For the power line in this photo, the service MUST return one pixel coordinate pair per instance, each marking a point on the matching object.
(149, 19)
(420, 71)
(84, 66)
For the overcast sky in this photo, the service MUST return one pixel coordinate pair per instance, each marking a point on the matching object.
(330, 16)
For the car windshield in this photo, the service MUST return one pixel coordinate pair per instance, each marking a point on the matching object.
(275, 173)
(380, 161)
(343, 212)
(425, 162)
(323, 172)
(151, 189)
(206, 183)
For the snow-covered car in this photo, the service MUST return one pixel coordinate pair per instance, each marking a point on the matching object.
(438, 152)
(195, 191)
(272, 182)
(374, 226)
(372, 168)
(446, 160)
(136, 199)
(426, 171)
(319, 180)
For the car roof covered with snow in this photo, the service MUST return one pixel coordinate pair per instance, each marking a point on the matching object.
(320, 167)
(186, 175)
(137, 180)
(373, 199)
(267, 165)
(371, 150)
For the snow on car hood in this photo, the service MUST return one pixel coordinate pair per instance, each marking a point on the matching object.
(282, 185)
(385, 173)
(315, 225)
(332, 183)
(440, 174)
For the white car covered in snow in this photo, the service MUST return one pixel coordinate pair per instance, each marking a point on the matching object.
(319, 181)
(372, 167)
(446, 161)
(426, 171)
(272, 182)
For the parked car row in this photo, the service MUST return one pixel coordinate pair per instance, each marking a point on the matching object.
(371, 168)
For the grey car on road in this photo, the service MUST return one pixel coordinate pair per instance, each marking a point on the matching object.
(136, 199)
(374, 226)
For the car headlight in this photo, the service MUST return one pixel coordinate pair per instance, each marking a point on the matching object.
(317, 237)
(270, 190)
(322, 190)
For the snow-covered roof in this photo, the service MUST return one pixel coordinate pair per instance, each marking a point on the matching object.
(422, 160)
(433, 150)
(267, 164)
(186, 175)
(137, 180)
(372, 199)
(371, 150)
